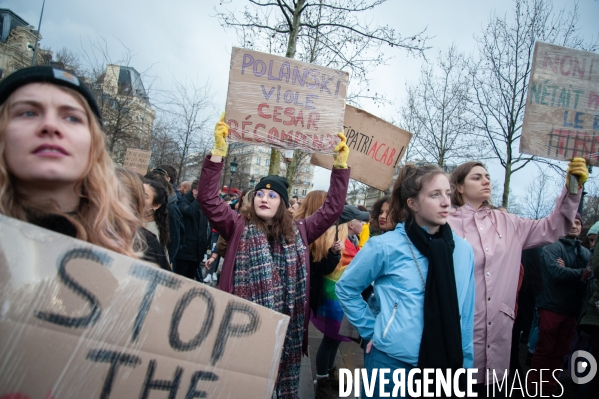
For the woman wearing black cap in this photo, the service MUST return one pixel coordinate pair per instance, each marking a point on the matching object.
(54, 169)
(267, 261)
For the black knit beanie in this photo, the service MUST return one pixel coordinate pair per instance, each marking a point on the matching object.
(275, 183)
(47, 74)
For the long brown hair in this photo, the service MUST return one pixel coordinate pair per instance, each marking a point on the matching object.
(313, 201)
(319, 248)
(458, 176)
(134, 188)
(282, 222)
(409, 182)
(101, 218)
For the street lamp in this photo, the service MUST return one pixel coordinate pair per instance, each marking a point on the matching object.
(233, 170)
(37, 35)
(252, 182)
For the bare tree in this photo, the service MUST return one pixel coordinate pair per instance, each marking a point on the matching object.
(293, 169)
(242, 154)
(355, 191)
(437, 108)
(331, 33)
(69, 60)
(539, 199)
(189, 109)
(162, 144)
(500, 76)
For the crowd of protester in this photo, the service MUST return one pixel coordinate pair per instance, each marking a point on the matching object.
(434, 276)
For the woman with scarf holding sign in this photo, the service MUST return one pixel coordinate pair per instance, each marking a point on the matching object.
(423, 280)
(267, 261)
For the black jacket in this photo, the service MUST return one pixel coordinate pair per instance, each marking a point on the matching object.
(563, 288)
(59, 224)
(317, 272)
(176, 228)
(55, 223)
(197, 230)
(154, 252)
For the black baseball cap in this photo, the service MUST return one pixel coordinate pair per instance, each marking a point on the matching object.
(350, 213)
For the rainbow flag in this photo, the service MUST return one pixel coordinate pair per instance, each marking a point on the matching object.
(329, 315)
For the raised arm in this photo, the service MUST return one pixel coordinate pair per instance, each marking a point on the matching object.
(332, 208)
(534, 233)
(222, 218)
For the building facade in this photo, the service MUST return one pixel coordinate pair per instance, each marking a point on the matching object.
(127, 114)
(17, 42)
(126, 110)
(254, 163)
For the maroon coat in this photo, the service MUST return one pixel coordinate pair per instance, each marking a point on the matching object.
(230, 224)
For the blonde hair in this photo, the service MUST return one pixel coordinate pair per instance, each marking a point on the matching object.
(101, 217)
(133, 187)
(319, 248)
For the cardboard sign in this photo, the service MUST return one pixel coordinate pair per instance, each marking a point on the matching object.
(79, 321)
(137, 160)
(375, 148)
(561, 120)
(284, 103)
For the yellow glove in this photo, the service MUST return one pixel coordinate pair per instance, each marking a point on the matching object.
(221, 131)
(578, 168)
(341, 153)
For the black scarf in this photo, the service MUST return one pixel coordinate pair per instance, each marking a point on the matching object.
(441, 345)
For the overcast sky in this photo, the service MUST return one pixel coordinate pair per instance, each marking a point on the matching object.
(182, 40)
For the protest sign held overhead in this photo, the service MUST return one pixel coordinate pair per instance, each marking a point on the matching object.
(80, 321)
(561, 120)
(137, 160)
(284, 103)
(376, 148)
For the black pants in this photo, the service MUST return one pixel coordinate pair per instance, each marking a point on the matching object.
(187, 268)
(325, 357)
(522, 324)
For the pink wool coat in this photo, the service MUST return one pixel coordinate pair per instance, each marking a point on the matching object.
(498, 239)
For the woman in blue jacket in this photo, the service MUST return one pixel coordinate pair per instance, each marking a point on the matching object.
(423, 276)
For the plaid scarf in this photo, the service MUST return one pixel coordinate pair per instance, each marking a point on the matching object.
(274, 275)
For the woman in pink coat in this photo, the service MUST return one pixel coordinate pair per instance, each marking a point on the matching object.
(498, 239)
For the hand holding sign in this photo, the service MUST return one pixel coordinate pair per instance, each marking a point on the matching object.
(221, 131)
(341, 153)
(578, 168)
(561, 120)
